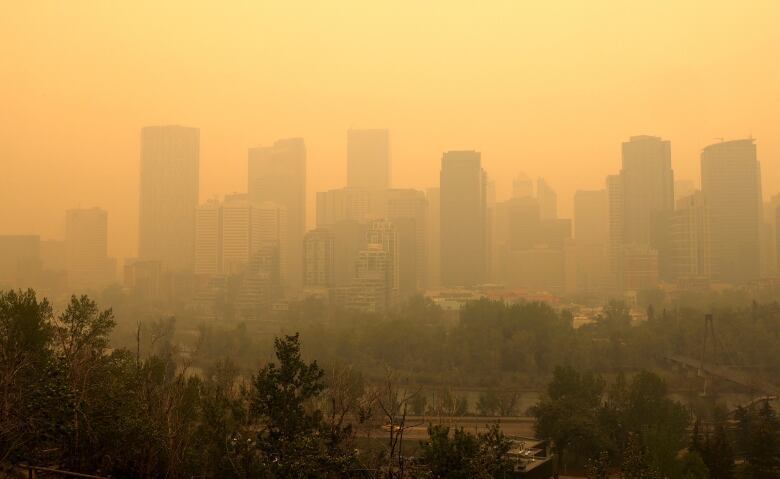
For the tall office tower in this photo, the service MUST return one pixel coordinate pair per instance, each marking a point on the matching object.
(434, 237)
(271, 229)
(349, 238)
(731, 184)
(318, 257)
(368, 289)
(238, 233)
(522, 186)
(20, 257)
(648, 187)
(368, 159)
(769, 237)
(384, 234)
(170, 157)
(641, 199)
(591, 216)
(586, 257)
(463, 219)
(548, 200)
(683, 188)
(208, 235)
(346, 204)
(689, 236)
(407, 210)
(278, 174)
(86, 234)
(616, 231)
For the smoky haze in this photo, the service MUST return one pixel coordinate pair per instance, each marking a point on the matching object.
(551, 89)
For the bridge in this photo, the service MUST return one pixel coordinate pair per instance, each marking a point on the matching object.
(728, 373)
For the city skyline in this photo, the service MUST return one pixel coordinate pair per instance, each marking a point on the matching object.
(537, 88)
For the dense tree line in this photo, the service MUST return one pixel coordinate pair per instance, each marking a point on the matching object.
(69, 401)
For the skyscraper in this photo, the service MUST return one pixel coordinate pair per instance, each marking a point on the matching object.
(368, 159)
(407, 209)
(463, 219)
(318, 252)
(86, 236)
(168, 195)
(591, 216)
(641, 199)
(208, 236)
(434, 237)
(278, 174)
(548, 200)
(731, 184)
(648, 186)
(689, 238)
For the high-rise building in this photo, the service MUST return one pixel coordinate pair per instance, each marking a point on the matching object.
(168, 195)
(586, 257)
(591, 216)
(641, 199)
(384, 234)
(278, 174)
(230, 234)
(208, 232)
(548, 200)
(463, 219)
(616, 230)
(20, 255)
(731, 184)
(86, 236)
(434, 237)
(238, 235)
(368, 159)
(407, 210)
(318, 258)
(648, 187)
(271, 230)
(683, 188)
(348, 204)
(522, 186)
(689, 238)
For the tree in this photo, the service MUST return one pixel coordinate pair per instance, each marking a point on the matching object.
(457, 454)
(28, 376)
(567, 414)
(763, 447)
(294, 440)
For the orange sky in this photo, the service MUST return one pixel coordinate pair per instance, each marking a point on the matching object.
(549, 87)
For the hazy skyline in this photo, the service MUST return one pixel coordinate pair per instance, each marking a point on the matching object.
(550, 89)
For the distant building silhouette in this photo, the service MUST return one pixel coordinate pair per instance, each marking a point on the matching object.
(349, 204)
(231, 233)
(731, 184)
(689, 237)
(368, 159)
(641, 199)
(586, 256)
(318, 262)
(463, 219)
(434, 237)
(86, 237)
(548, 200)
(170, 157)
(278, 174)
(591, 216)
(20, 258)
(407, 210)
(522, 186)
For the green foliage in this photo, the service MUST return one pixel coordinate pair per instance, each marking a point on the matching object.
(568, 414)
(458, 454)
(759, 439)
